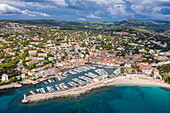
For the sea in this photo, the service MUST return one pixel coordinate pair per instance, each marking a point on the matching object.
(112, 99)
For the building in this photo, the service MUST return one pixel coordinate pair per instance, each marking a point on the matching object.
(156, 73)
(42, 54)
(4, 78)
(31, 62)
(161, 58)
(117, 71)
(32, 52)
(13, 58)
(23, 76)
(31, 73)
(127, 65)
(146, 69)
(41, 68)
(2, 60)
(20, 64)
(35, 58)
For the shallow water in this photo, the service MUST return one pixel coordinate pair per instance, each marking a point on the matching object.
(113, 99)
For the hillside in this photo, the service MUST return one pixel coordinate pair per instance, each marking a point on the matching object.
(152, 26)
(64, 25)
(162, 27)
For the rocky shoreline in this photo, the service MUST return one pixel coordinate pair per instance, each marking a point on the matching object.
(83, 89)
(25, 82)
(12, 85)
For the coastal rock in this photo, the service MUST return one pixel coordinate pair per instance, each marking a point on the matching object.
(13, 85)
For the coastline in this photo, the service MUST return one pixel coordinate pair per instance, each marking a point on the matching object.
(28, 81)
(8, 86)
(25, 82)
(94, 85)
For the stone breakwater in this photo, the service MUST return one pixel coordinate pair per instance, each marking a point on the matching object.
(12, 85)
(66, 93)
(83, 89)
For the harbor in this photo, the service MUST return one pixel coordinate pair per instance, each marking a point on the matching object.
(83, 79)
(71, 78)
(55, 90)
(94, 85)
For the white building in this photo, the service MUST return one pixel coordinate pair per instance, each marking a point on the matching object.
(42, 54)
(147, 70)
(35, 58)
(31, 62)
(127, 65)
(4, 78)
(117, 71)
(23, 76)
(156, 73)
(32, 52)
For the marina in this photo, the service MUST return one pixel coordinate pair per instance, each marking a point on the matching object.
(50, 89)
(40, 90)
(74, 85)
(81, 75)
(81, 79)
(57, 87)
(71, 78)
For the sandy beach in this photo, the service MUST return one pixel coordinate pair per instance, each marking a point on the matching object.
(83, 89)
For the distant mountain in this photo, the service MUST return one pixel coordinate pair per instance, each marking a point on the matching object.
(156, 26)
(160, 27)
(66, 25)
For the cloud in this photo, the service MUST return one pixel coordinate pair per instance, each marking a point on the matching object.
(58, 2)
(38, 4)
(100, 10)
(119, 12)
(19, 3)
(82, 19)
(150, 8)
(123, 9)
(10, 10)
(107, 1)
(34, 13)
(93, 16)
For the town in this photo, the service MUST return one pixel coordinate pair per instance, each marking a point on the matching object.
(37, 54)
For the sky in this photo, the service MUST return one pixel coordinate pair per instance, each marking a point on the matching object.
(85, 10)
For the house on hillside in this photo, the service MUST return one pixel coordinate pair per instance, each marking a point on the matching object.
(2, 60)
(31, 62)
(4, 78)
(32, 52)
(42, 54)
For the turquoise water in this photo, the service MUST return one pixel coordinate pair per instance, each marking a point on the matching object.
(114, 99)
